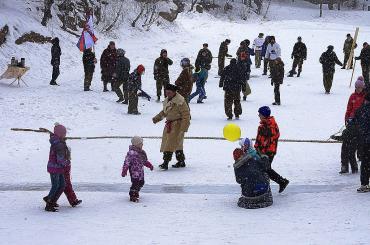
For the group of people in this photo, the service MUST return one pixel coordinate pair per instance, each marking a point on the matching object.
(252, 164)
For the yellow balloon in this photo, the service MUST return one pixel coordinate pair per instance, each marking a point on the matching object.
(232, 132)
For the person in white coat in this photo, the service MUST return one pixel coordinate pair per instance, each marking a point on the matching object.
(257, 46)
(273, 51)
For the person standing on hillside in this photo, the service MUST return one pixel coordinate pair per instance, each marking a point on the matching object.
(121, 76)
(273, 51)
(347, 47)
(89, 61)
(177, 114)
(277, 77)
(55, 60)
(328, 60)
(231, 81)
(299, 54)
(267, 141)
(257, 46)
(365, 63)
(108, 61)
(161, 73)
(184, 82)
(222, 54)
(133, 86)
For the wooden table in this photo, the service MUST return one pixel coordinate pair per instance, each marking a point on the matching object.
(15, 72)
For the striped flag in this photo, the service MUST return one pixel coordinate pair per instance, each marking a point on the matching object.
(88, 38)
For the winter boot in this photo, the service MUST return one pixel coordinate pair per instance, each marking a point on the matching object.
(105, 89)
(363, 189)
(76, 203)
(180, 157)
(244, 98)
(125, 102)
(120, 100)
(46, 200)
(343, 67)
(158, 98)
(344, 170)
(283, 185)
(87, 89)
(276, 103)
(50, 207)
(290, 74)
(167, 156)
(299, 74)
(229, 118)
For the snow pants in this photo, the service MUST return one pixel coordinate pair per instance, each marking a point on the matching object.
(348, 155)
(135, 188)
(133, 101)
(161, 83)
(365, 164)
(68, 190)
(88, 79)
(221, 65)
(232, 97)
(55, 74)
(257, 58)
(277, 92)
(57, 187)
(328, 81)
(273, 175)
(297, 62)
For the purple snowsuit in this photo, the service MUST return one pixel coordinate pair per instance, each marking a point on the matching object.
(135, 161)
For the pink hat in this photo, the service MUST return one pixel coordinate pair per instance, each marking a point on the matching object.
(360, 82)
(60, 130)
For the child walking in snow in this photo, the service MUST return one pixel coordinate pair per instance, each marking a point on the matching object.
(59, 158)
(135, 161)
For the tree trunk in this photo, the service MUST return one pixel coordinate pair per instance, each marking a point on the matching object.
(320, 8)
(47, 12)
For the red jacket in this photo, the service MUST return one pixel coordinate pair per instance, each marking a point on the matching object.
(355, 101)
(267, 136)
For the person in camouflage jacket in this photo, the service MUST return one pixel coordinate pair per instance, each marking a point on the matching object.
(222, 54)
(133, 86)
(328, 60)
(121, 76)
(161, 74)
(89, 61)
(347, 47)
(299, 54)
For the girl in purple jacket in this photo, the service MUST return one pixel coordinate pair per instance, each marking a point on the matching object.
(135, 161)
(59, 158)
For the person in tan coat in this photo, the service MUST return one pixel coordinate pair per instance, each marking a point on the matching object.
(177, 114)
(185, 80)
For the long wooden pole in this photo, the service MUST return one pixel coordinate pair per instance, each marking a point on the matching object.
(349, 63)
(43, 130)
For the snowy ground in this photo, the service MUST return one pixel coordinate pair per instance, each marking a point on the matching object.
(328, 211)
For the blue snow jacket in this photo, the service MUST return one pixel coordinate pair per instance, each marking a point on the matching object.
(250, 173)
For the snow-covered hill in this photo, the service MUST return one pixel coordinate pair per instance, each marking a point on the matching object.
(306, 113)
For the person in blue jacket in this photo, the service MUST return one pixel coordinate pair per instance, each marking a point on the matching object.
(250, 172)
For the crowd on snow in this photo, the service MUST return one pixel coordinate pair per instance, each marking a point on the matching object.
(253, 170)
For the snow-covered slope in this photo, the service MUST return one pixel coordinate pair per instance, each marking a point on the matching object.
(306, 113)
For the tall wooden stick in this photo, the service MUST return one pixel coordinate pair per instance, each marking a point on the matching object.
(350, 59)
(353, 71)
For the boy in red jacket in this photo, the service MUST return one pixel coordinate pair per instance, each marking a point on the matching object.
(266, 143)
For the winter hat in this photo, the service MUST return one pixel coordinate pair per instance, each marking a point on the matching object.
(247, 42)
(237, 153)
(260, 35)
(112, 43)
(163, 51)
(233, 61)
(137, 141)
(264, 111)
(55, 40)
(60, 130)
(331, 47)
(360, 82)
(205, 45)
(140, 69)
(185, 62)
(245, 142)
(121, 52)
(228, 41)
(299, 38)
(171, 87)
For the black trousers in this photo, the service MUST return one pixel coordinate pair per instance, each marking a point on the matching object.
(348, 155)
(273, 175)
(55, 74)
(365, 164)
(277, 92)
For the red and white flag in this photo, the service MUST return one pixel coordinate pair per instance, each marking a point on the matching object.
(88, 38)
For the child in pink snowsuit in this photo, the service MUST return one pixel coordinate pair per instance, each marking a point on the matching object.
(135, 161)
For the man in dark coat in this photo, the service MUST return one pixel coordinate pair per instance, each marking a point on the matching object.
(55, 60)
(299, 54)
(121, 76)
(277, 77)
(204, 58)
(89, 61)
(263, 54)
(244, 62)
(108, 62)
(133, 86)
(161, 74)
(347, 47)
(231, 81)
(222, 54)
(361, 122)
(328, 60)
(365, 63)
